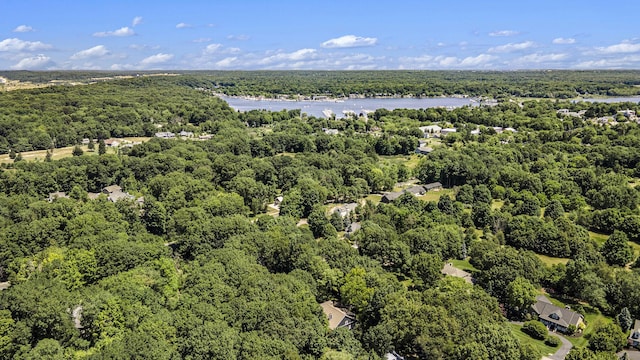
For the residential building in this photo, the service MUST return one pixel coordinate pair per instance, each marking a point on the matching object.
(337, 317)
(430, 130)
(634, 337)
(165, 135)
(556, 318)
(423, 150)
(57, 195)
(445, 132)
(346, 209)
(433, 186)
(451, 270)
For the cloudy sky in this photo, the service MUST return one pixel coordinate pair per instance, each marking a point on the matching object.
(323, 35)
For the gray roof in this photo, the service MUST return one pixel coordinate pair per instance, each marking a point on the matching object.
(388, 197)
(416, 190)
(555, 314)
(435, 185)
(635, 332)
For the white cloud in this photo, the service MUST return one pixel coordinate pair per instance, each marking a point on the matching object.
(201, 40)
(227, 62)
(238, 37)
(624, 62)
(504, 33)
(535, 60)
(143, 47)
(349, 41)
(156, 59)
(35, 62)
(212, 48)
(564, 41)
(14, 44)
(23, 28)
(183, 26)
(511, 47)
(136, 21)
(446, 62)
(473, 61)
(94, 52)
(624, 47)
(298, 55)
(124, 31)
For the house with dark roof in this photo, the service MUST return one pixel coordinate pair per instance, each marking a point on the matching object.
(391, 196)
(634, 337)
(555, 317)
(337, 317)
(345, 210)
(433, 186)
(351, 229)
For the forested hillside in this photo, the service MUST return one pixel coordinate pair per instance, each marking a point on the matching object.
(202, 260)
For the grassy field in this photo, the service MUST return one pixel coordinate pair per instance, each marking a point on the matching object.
(410, 161)
(539, 345)
(463, 265)
(59, 153)
(550, 261)
(497, 204)
(601, 238)
(435, 195)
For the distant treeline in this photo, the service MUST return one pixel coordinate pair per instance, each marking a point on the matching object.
(560, 84)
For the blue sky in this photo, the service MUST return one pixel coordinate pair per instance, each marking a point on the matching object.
(322, 35)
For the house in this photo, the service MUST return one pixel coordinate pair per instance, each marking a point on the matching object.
(430, 130)
(57, 195)
(433, 186)
(351, 229)
(445, 132)
(451, 270)
(187, 134)
(112, 142)
(86, 141)
(93, 196)
(634, 337)
(330, 131)
(115, 193)
(165, 135)
(393, 356)
(278, 200)
(337, 317)
(205, 137)
(475, 132)
(556, 318)
(423, 150)
(345, 210)
(417, 190)
(389, 197)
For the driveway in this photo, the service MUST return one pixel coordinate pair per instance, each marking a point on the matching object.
(562, 351)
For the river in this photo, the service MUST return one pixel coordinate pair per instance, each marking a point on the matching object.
(320, 108)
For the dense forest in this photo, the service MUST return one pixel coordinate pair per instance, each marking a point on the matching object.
(204, 261)
(553, 84)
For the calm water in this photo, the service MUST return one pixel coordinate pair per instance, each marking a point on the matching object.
(316, 108)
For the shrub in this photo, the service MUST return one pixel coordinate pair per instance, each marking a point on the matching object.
(535, 329)
(552, 341)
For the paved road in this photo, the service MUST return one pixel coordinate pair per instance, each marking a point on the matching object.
(562, 351)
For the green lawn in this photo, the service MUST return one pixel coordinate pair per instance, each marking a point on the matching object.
(435, 195)
(463, 265)
(410, 161)
(374, 198)
(601, 238)
(550, 261)
(539, 345)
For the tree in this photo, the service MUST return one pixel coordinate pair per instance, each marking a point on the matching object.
(77, 151)
(102, 147)
(426, 268)
(521, 294)
(47, 157)
(535, 329)
(616, 250)
(554, 210)
(608, 337)
(625, 320)
(319, 224)
(91, 145)
(481, 215)
(12, 154)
